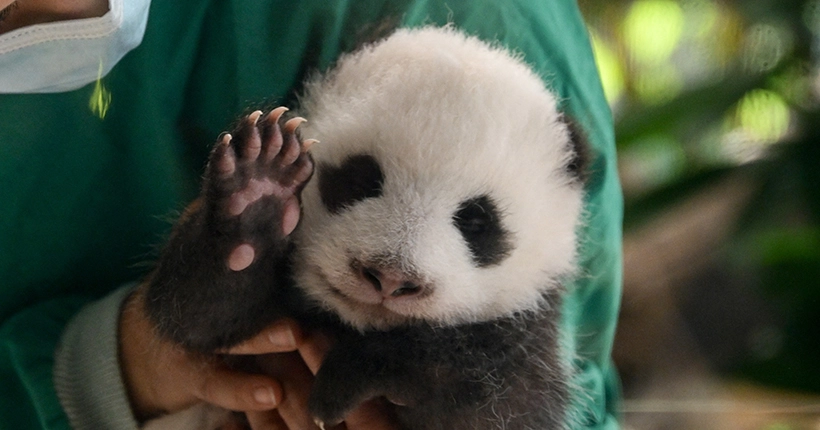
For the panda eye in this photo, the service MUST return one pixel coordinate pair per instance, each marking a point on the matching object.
(472, 221)
(473, 226)
(479, 222)
(358, 178)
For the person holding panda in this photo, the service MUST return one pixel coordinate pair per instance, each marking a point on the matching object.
(65, 244)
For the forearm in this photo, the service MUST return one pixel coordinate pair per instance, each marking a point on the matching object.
(87, 373)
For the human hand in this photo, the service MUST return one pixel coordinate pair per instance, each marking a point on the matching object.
(296, 371)
(161, 377)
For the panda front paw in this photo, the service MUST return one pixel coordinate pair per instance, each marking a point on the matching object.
(348, 376)
(329, 404)
(253, 181)
(355, 372)
(221, 277)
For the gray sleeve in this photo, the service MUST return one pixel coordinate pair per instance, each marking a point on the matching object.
(86, 371)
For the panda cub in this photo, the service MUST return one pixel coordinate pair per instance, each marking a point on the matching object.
(429, 232)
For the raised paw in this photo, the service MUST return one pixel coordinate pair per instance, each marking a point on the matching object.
(253, 181)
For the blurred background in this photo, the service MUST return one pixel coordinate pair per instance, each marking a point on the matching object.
(717, 113)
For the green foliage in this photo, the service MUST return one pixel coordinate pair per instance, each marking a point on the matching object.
(736, 91)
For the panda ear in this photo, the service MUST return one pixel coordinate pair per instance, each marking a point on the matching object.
(578, 165)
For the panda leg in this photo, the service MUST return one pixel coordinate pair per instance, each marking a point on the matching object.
(219, 278)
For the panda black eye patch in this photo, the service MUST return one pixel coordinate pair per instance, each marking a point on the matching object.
(479, 221)
(359, 177)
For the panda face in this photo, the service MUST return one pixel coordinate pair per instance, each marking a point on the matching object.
(360, 177)
(442, 191)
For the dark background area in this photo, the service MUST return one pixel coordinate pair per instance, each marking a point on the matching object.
(717, 113)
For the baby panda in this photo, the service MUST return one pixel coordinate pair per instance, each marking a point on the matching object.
(430, 233)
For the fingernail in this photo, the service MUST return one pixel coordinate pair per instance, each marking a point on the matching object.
(282, 337)
(265, 396)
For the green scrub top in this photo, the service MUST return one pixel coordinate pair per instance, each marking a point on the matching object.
(90, 178)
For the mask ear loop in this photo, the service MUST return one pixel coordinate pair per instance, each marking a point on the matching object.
(100, 99)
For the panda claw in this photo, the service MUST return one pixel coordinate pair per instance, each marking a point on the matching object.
(292, 124)
(307, 143)
(277, 113)
(225, 161)
(252, 145)
(272, 134)
(254, 116)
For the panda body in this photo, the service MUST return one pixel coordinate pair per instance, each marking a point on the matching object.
(435, 235)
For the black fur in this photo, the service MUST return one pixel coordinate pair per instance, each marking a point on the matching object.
(479, 221)
(359, 177)
(579, 164)
(504, 373)
(193, 297)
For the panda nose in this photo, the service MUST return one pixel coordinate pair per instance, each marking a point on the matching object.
(390, 283)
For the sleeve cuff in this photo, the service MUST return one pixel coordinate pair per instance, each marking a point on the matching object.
(87, 373)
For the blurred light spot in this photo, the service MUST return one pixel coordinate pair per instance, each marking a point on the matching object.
(811, 16)
(761, 118)
(650, 163)
(765, 45)
(710, 41)
(609, 68)
(763, 115)
(652, 29)
(658, 85)
(701, 18)
(100, 99)
(794, 84)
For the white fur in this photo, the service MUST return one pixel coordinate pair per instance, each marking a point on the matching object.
(448, 118)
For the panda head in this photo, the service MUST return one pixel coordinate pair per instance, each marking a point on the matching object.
(446, 188)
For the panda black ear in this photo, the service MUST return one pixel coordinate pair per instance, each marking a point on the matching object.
(578, 166)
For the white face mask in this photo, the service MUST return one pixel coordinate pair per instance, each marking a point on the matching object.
(66, 55)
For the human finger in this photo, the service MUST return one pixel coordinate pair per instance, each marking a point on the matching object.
(266, 420)
(281, 336)
(297, 381)
(313, 350)
(371, 415)
(237, 391)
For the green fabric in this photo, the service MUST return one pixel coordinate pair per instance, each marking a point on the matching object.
(85, 199)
